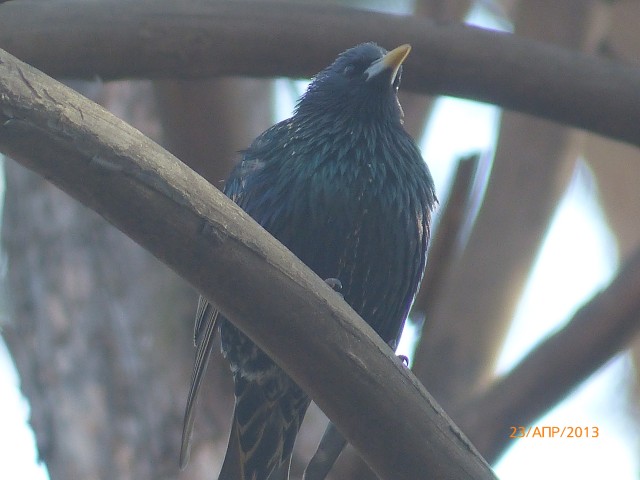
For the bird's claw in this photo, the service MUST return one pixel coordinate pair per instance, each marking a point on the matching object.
(404, 359)
(335, 284)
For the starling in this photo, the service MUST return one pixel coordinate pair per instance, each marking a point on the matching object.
(345, 188)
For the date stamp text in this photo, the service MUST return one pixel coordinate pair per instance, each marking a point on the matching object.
(554, 432)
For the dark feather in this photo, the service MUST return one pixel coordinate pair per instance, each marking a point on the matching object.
(204, 334)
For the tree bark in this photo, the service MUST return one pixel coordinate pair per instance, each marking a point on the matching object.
(100, 334)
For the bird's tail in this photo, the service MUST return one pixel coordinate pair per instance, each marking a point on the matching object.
(266, 420)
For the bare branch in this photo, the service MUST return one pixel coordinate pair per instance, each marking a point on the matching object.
(530, 171)
(164, 38)
(382, 409)
(600, 329)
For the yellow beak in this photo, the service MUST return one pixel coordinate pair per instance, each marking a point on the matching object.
(391, 61)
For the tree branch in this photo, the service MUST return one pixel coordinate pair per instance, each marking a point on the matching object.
(163, 38)
(293, 315)
(530, 171)
(600, 329)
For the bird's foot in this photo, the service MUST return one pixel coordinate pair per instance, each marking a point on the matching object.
(404, 359)
(335, 284)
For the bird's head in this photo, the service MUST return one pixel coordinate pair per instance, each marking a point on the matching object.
(361, 83)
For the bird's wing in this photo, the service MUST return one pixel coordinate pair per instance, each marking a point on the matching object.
(204, 334)
(206, 318)
(267, 416)
(203, 313)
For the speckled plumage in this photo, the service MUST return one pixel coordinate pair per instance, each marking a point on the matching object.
(345, 188)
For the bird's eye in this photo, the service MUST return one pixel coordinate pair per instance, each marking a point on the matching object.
(349, 70)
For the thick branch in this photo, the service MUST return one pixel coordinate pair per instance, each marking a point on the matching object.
(164, 38)
(151, 196)
(600, 329)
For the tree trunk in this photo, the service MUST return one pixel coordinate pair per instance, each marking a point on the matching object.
(99, 329)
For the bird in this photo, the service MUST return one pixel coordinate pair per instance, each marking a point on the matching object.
(345, 188)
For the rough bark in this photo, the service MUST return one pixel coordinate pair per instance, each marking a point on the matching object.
(99, 330)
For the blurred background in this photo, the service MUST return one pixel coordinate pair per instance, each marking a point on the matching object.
(535, 219)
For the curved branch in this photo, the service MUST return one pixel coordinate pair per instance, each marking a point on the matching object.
(163, 38)
(288, 311)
